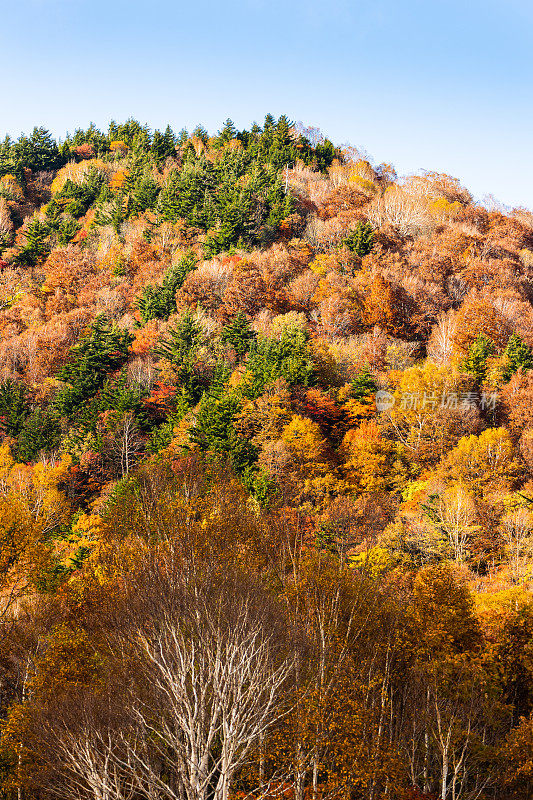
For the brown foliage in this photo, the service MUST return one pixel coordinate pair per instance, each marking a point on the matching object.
(479, 316)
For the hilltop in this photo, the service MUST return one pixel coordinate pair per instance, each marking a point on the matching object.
(259, 354)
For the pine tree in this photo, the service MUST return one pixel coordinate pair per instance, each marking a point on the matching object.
(239, 334)
(36, 246)
(323, 155)
(282, 150)
(193, 182)
(181, 342)
(228, 131)
(144, 195)
(270, 359)
(93, 136)
(517, 355)
(361, 240)
(38, 151)
(40, 433)
(115, 214)
(183, 137)
(159, 302)
(101, 351)
(66, 152)
(180, 347)
(67, 231)
(163, 145)
(364, 384)
(283, 131)
(214, 431)
(475, 361)
(13, 407)
(200, 133)
(168, 204)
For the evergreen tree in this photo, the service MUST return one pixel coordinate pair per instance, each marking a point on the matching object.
(475, 361)
(162, 436)
(120, 396)
(517, 354)
(38, 151)
(182, 138)
(66, 152)
(364, 384)
(163, 144)
(323, 155)
(180, 347)
(115, 214)
(130, 132)
(228, 132)
(7, 163)
(239, 334)
(82, 194)
(287, 357)
(200, 133)
(231, 227)
(53, 215)
(67, 231)
(360, 241)
(181, 341)
(101, 351)
(93, 136)
(197, 178)
(168, 204)
(281, 149)
(40, 433)
(214, 431)
(143, 196)
(13, 407)
(36, 246)
(159, 302)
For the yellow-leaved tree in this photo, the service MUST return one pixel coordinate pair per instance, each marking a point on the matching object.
(307, 470)
(371, 460)
(485, 463)
(31, 507)
(431, 408)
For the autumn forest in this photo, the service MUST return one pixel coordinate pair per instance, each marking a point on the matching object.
(266, 473)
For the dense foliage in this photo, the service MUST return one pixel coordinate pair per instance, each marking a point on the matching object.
(266, 473)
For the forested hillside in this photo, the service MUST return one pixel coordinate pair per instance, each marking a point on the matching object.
(266, 473)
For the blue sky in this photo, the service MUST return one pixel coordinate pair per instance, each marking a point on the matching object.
(424, 84)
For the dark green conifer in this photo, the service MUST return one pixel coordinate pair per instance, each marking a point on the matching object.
(14, 407)
(101, 351)
(36, 246)
(239, 334)
(40, 433)
(518, 355)
(364, 384)
(159, 302)
(361, 239)
(475, 361)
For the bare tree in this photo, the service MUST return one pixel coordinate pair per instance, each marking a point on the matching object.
(127, 443)
(214, 670)
(193, 677)
(80, 739)
(456, 519)
(517, 529)
(440, 346)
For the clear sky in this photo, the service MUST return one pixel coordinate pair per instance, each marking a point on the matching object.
(445, 85)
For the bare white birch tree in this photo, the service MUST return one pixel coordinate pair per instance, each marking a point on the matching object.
(214, 677)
